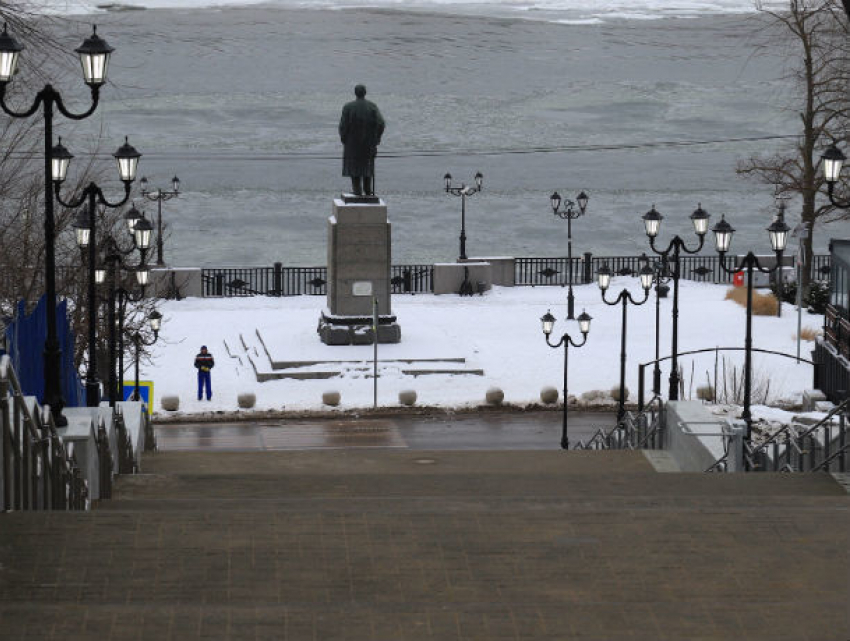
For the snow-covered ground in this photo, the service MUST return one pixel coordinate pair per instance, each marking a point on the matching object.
(499, 333)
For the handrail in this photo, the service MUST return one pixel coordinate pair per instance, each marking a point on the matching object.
(824, 465)
(786, 429)
(631, 432)
(33, 451)
(642, 366)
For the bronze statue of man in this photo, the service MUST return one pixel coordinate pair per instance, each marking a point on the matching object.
(360, 129)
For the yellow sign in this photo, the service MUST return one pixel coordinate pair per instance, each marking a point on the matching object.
(145, 393)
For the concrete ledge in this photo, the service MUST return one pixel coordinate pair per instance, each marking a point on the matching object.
(81, 432)
(503, 269)
(448, 277)
(695, 437)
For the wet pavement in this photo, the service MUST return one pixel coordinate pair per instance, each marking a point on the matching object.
(445, 431)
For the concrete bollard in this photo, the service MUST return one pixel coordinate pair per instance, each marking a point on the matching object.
(549, 395)
(494, 396)
(331, 398)
(170, 403)
(407, 397)
(246, 400)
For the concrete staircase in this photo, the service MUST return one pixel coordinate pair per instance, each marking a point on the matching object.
(395, 544)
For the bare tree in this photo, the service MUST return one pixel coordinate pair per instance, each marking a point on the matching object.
(814, 35)
(22, 243)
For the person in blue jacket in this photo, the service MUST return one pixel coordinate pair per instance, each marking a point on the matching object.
(204, 363)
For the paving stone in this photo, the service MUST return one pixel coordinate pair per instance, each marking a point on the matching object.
(372, 544)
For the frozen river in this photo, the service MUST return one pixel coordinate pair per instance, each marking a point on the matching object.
(243, 103)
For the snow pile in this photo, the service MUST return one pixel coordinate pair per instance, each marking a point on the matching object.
(499, 333)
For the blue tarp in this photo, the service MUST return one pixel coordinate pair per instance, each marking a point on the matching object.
(25, 338)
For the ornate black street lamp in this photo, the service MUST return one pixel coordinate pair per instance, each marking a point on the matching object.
(86, 230)
(548, 322)
(778, 233)
(604, 280)
(118, 298)
(569, 212)
(652, 222)
(833, 160)
(155, 320)
(661, 276)
(158, 197)
(463, 191)
(94, 56)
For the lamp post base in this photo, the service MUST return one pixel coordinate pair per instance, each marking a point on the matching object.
(92, 393)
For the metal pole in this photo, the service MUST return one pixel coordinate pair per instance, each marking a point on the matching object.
(674, 363)
(121, 304)
(136, 343)
(570, 299)
(656, 371)
(375, 357)
(748, 347)
(463, 223)
(159, 260)
(92, 383)
(621, 407)
(799, 302)
(52, 350)
(565, 441)
(110, 320)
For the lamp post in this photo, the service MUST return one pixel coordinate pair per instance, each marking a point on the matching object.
(624, 298)
(569, 213)
(778, 233)
(119, 296)
(155, 320)
(86, 232)
(833, 160)
(652, 223)
(548, 322)
(463, 191)
(158, 197)
(94, 56)
(661, 276)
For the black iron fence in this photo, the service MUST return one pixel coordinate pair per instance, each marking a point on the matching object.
(299, 281)
(278, 280)
(265, 281)
(555, 271)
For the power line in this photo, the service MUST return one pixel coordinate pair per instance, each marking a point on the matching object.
(434, 153)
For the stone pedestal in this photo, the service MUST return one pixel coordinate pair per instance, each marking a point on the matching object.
(359, 255)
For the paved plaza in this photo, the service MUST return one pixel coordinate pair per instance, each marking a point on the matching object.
(391, 543)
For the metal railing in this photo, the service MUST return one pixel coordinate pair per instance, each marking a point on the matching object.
(642, 367)
(301, 281)
(641, 431)
(38, 471)
(824, 446)
(701, 268)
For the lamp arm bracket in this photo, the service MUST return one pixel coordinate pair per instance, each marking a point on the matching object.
(631, 299)
(95, 97)
(37, 102)
(617, 300)
(699, 247)
(101, 198)
(559, 343)
(70, 204)
(573, 343)
(835, 202)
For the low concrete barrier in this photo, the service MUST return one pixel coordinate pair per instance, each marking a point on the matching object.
(448, 277)
(695, 437)
(81, 432)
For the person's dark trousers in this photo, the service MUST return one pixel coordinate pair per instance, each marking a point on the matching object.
(204, 379)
